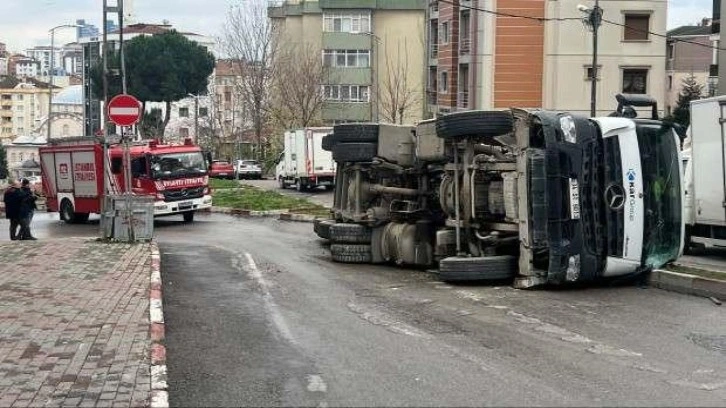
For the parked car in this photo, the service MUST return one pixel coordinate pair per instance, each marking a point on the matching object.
(221, 169)
(249, 169)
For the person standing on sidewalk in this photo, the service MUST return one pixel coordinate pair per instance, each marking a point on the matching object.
(27, 210)
(12, 199)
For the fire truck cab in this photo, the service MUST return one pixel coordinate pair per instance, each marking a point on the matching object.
(72, 173)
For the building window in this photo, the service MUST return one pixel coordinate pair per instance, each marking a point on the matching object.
(184, 112)
(670, 82)
(588, 72)
(671, 50)
(184, 132)
(636, 27)
(228, 96)
(464, 35)
(444, 34)
(444, 82)
(347, 58)
(66, 130)
(18, 97)
(347, 22)
(19, 108)
(203, 112)
(14, 157)
(635, 80)
(346, 93)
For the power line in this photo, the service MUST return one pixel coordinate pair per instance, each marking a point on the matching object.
(546, 19)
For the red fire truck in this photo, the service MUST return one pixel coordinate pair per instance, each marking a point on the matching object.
(72, 174)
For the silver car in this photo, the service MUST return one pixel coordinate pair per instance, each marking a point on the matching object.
(249, 169)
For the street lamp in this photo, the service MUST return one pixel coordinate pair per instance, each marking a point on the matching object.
(50, 72)
(592, 21)
(374, 72)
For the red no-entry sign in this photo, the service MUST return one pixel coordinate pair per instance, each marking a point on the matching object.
(124, 110)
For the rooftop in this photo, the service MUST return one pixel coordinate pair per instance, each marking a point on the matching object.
(689, 31)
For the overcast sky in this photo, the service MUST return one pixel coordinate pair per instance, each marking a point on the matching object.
(25, 23)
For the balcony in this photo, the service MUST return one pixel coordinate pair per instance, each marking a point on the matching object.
(465, 45)
(462, 101)
(431, 97)
(434, 50)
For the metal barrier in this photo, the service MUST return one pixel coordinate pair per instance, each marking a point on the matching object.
(128, 218)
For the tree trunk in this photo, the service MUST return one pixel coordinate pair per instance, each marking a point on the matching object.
(167, 117)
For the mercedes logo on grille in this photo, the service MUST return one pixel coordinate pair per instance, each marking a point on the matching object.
(184, 192)
(615, 197)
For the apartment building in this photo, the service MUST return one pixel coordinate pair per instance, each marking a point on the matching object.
(689, 53)
(374, 53)
(23, 106)
(538, 54)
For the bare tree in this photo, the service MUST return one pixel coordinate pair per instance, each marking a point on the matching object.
(298, 78)
(248, 42)
(398, 92)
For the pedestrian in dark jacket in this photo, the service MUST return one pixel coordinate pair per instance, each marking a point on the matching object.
(12, 198)
(27, 210)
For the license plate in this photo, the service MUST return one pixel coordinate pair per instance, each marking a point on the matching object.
(574, 200)
(222, 174)
(185, 204)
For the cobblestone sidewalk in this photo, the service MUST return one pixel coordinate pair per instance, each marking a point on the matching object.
(74, 324)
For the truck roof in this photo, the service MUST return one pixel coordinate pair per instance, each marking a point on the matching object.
(137, 149)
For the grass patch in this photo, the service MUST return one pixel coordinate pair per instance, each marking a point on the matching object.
(223, 183)
(698, 272)
(256, 199)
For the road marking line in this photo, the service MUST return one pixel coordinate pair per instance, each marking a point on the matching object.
(272, 308)
(316, 384)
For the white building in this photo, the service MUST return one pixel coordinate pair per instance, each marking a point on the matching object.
(27, 67)
(67, 59)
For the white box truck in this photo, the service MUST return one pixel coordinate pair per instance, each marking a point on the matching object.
(304, 163)
(705, 174)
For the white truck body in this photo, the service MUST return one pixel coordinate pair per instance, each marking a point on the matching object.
(705, 175)
(303, 162)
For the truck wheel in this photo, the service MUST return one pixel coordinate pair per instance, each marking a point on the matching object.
(350, 234)
(459, 269)
(322, 228)
(281, 182)
(356, 132)
(474, 123)
(354, 152)
(188, 216)
(66, 211)
(351, 253)
(300, 187)
(328, 142)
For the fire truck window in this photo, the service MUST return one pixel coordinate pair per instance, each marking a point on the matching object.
(117, 165)
(138, 167)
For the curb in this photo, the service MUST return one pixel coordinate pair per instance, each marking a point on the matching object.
(282, 215)
(159, 386)
(688, 284)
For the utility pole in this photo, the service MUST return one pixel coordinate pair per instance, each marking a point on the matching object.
(592, 21)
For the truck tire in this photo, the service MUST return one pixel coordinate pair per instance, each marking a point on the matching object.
(354, 152)
(488, 268)
(322, 228)
(485, 124)
(350, 234)
(356, 133)
(328, 142)
(68, 214)
(356, 254)
(188, 216)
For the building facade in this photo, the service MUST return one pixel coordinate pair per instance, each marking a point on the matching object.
(23, 107)
(538, 54)
(373, 52)
(27, 67)
(689, 53)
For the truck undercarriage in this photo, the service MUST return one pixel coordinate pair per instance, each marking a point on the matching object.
(486, 195)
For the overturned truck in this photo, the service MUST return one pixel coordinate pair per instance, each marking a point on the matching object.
(540, 197)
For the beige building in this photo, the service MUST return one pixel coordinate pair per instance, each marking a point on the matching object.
(23, 107)
(374, 53)
(479, 60)
(684, 59)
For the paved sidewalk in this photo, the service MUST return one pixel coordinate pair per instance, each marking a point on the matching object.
(74, 323)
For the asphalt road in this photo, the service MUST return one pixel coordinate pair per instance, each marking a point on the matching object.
(257, 315)
(317, 196)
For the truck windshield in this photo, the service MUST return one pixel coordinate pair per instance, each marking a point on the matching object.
(662, 193)
(175, 165)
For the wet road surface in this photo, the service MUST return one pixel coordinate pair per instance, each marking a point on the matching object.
(257, 315)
